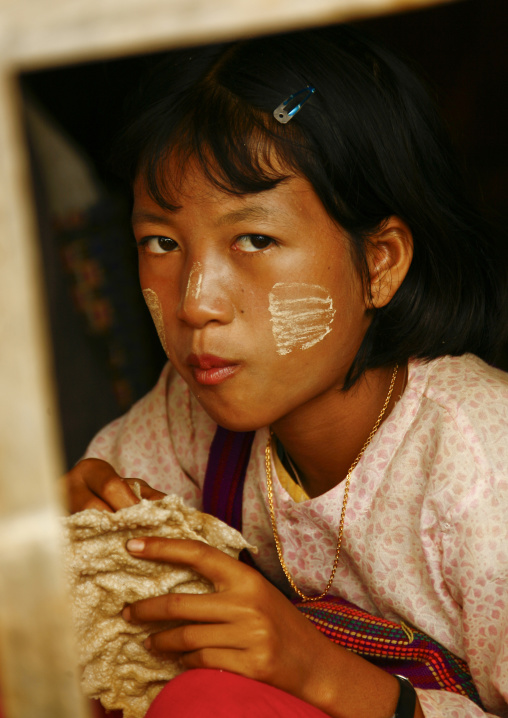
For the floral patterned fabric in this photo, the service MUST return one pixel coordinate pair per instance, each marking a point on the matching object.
(426, 531)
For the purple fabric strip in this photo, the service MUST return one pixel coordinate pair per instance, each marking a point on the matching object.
(225, 475)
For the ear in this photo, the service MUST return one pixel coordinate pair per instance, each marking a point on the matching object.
(389, 257)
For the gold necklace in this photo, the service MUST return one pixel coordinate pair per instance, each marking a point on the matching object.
(269, 488)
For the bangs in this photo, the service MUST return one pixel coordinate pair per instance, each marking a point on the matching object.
(239, 148)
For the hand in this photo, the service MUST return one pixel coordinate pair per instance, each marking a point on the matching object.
(94, 484)
(248, 627)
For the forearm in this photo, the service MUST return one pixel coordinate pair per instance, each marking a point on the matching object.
(344, 685)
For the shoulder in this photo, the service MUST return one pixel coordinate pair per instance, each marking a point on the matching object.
(140, 418)
(467, 393)
(165, 433)
(464, 410)
(454, 436)
(450, 380)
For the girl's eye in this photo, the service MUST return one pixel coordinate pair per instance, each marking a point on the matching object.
(157, 245)
(253, 242)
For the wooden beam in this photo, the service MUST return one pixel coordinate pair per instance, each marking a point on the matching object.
(57, 31)
(36, 645)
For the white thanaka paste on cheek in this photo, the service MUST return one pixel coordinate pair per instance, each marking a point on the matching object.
(194, 282)
(155, 309)
(302, 315)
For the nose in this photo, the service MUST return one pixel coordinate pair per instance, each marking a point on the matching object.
(204, 296)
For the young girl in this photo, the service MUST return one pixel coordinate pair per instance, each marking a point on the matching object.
(321, 285)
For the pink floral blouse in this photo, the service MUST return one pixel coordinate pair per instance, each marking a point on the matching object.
(426, 531)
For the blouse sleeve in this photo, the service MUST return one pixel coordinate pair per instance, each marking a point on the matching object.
(472, 525)
(442, 704)
(475, 567)
(163, 439)
(475, 573)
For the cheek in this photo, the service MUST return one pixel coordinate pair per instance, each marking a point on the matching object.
(155, 308)
(301, 315)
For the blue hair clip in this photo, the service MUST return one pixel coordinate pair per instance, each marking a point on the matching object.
(283, 115)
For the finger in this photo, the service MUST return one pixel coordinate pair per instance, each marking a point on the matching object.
(146, 491)
(202, 608)
(103, 481)
(224, 659)
(195, 637)
(87, 500)
(78, 497)
(219, 568)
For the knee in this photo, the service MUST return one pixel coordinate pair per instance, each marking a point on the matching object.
(198, 692)
(210, 693)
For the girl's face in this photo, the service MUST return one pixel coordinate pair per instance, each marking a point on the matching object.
(255, 297)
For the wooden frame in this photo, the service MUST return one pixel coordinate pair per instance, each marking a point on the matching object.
(36, 655)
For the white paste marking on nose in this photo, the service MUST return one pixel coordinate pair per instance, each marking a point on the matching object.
(155, 308)
(195, 281)
(302, 315)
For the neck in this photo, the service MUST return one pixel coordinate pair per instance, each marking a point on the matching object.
(325, 436)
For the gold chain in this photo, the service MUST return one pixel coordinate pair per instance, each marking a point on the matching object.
(269, 488)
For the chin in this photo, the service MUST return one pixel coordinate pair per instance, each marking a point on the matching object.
(235, 421)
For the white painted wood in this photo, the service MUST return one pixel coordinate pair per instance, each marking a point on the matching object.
(36, 655)
(49, 31)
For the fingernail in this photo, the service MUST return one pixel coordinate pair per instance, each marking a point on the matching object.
(126, 613)
(135, 545)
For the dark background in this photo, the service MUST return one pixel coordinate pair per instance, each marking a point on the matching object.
(461, 49)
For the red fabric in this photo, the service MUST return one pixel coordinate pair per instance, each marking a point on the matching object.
(218, 694)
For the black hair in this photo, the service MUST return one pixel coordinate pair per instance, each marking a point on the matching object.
(371, 143)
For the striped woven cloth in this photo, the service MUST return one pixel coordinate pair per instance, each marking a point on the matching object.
(394, 647)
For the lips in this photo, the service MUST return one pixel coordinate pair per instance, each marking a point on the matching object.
(210, 370)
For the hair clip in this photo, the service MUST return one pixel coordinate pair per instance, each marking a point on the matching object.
(281, 112)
